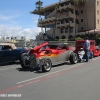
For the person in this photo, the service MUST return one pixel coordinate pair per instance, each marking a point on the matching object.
(86, 49)
(81, 54)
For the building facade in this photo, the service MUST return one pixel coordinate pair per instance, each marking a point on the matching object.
(68, 19)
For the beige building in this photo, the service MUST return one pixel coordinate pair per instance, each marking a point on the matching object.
(69, 19)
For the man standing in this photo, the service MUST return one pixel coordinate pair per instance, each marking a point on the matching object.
(86, 49)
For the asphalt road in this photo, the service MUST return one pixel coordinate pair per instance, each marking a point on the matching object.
(79, 81)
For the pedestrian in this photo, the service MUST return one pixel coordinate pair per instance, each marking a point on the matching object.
(86, 49)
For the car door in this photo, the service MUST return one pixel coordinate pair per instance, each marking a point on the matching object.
(7, 53)
(62, 53)
(1, 54)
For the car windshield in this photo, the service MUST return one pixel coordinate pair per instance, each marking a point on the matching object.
(0, 48)
(79, 43)
(53, 46)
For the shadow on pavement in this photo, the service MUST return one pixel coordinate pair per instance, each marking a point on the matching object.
(25, 70)
(9, 63)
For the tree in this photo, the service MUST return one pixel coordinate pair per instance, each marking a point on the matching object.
(39, 7)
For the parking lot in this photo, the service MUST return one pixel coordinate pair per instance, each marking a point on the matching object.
(66, 82)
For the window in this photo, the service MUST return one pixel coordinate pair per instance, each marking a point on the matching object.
(98, 21)
(72, 20)
(58, 23)
(72, 11)
(7, 47)
(0, 48)
(92, 43)
(72, 3)
(66, 30)
(71, 29)
(62, 30)
(77, 21)
(97, 12)
(82, 28)
(67, 3)
(81, 20)
(97, 3)
(76, 12)
(81, 11)
(62, 22)
(67, 21)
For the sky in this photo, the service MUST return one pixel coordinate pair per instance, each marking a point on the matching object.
(16, 20)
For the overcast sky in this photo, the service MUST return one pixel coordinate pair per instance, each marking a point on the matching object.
(16, 20)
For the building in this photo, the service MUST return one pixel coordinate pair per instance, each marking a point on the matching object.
(13, 38)
(69, 20)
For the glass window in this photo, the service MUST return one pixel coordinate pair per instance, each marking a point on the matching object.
(62, 22)
(0, 48)
(67, 21)
(81, 20)
(92, 43)
(82, 28)
(80, 43)
(72, 20)
(72, 11)
(62, 30)
(77, 21)
(98, 21)
(76, 12)
(97, 3)
(66, 30)
(72, 3)
(71, 29)
(81, 11)
(97, 12)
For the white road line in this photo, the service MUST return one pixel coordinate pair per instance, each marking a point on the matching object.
(8, 68)
(48, 74)
(54, 72)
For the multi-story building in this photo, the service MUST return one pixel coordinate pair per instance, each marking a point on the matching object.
(69, 19)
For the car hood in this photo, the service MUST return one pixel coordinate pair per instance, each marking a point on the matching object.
(39, 46)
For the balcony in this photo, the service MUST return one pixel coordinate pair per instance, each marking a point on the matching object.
(40, 25)
(66, 7)
(65, 15)
(65, 25)
(50, 19)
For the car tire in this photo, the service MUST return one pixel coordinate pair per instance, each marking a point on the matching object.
(47, 64)
(25, 63)
(73, 58)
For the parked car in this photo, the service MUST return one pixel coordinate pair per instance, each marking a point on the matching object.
(93, 48)
(48, 54)
(10, 53)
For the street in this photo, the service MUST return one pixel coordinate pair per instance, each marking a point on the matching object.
(64, 82)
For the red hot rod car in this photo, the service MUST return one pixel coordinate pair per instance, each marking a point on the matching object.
(93, 48)
(48, 54)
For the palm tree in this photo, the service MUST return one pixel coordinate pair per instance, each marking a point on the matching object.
(39, 7)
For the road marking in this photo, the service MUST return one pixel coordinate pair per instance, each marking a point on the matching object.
(53, 72)
(41, 78)
(49, 74)
(9, 68)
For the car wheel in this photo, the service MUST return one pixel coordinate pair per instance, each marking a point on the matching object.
(24, 60)
(47, 65)
(73, 58)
